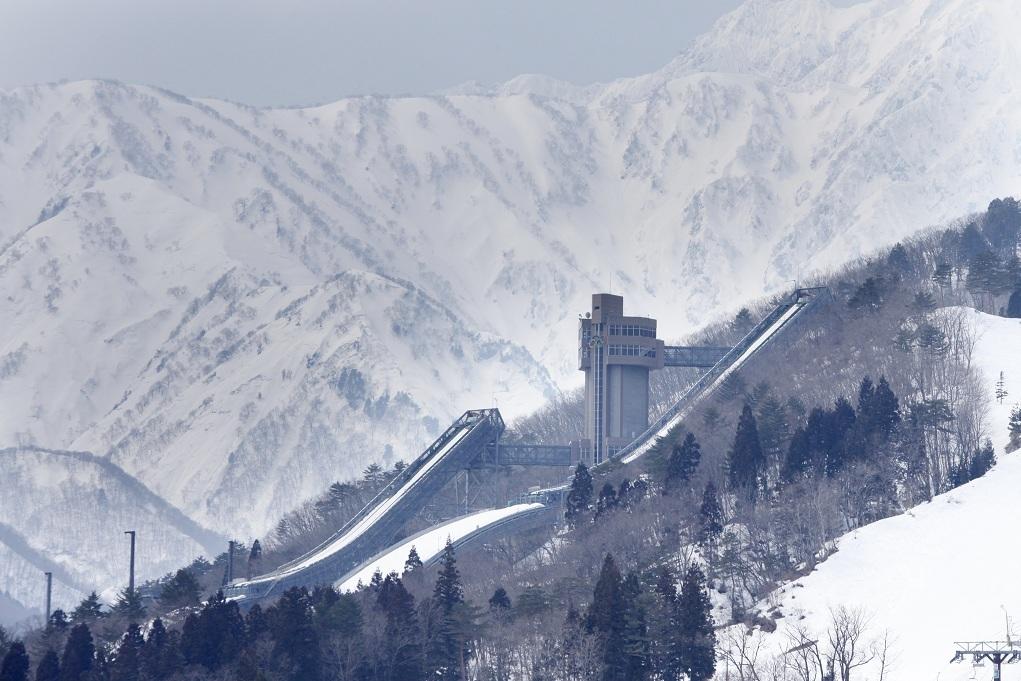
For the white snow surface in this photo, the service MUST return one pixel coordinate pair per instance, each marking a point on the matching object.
(430, 543)
(941, 572)
(238, 306)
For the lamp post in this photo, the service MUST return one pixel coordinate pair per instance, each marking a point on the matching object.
(131, 565)
(49, 596)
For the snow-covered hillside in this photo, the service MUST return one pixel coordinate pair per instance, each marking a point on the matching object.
(239, 306)
(943, 572)
(66, 513)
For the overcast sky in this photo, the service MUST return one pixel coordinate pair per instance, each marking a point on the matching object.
(290, 52)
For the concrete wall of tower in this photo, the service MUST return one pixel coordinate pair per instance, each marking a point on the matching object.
(616, 352)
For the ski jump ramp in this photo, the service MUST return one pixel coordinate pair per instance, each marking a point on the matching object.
(376, 526)
(367, 542)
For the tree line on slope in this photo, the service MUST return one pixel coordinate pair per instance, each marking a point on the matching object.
(630, 631)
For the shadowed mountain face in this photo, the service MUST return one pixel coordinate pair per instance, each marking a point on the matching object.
(238, 306)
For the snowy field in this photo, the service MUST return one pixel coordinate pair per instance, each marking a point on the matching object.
(945, 572)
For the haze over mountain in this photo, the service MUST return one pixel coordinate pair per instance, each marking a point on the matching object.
(238, 306)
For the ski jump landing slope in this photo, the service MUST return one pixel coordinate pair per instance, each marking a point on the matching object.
(946, 571)
(429, 544)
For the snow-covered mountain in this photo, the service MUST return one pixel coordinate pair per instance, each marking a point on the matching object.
(66, 512)
(238, 306)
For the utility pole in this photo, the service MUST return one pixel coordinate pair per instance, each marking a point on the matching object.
(131, 568)
(230, 561)
(49, 596)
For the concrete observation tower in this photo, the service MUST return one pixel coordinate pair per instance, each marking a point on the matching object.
(617, 352)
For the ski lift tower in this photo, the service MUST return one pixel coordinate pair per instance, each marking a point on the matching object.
(997, 652)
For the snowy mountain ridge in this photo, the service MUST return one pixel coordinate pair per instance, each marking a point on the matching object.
(91, 552)
(238, 306)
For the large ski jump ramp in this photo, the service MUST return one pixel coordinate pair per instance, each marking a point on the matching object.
(367, 542)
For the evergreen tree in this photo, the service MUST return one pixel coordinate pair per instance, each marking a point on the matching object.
(982, 461)
(296, 643)
(710, 515)
(747, 462)
(376, 581)
(868, 297)
(695, 627)
(743, 322)
(884, 414)
(1014, 305)
(682, 462)
(401, 654)
(798, 463)
(343, 617)
(971, 242)
(943, 274)
(79, 654)
(49, 667)
(607, 500)
(637, 647)
(374, 477)
(1002, 225)
(898, 260)
(129, 605)
(664, 628)
(1014, 425)
(127, 665)
(158, 657)
(866, 393)
(606, 620)
(986, 274)
(840, 421)
(413, 562)
(256, 624)
(181, 590)
(15, 663)
(580, 495)
(89, 610)
(448, 652)
(215, 635)
(774, 432)
(499, 600)
(448, 591)
(1001, 389)
(58, 621)
(630, 493)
